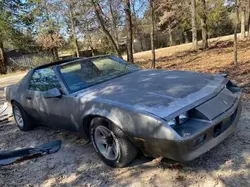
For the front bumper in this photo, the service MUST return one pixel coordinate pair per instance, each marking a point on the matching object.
(187, 149)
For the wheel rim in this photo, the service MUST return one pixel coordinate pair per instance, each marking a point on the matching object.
(106, 142)
(18, 117)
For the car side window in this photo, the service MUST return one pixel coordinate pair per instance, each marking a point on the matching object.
(43, 80)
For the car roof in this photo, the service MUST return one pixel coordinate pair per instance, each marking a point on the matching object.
(66, 61)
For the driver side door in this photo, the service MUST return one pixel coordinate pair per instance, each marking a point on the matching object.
(49, 111)
(41, 81)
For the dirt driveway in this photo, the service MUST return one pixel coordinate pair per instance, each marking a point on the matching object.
(5, 81)
(76, 163)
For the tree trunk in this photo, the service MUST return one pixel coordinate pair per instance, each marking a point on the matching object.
(186, 37)
(170, 35)
(53, 53)
(235, 34)
(204, 25)
(129, 31)
(56, 53)
(76, 46)
(194, 24)
(54, 50)
(152, 34)
(141, 41)
(3, 67)
(137, 27)
(73, 31)
(91, 46)
(243, 29)
(97, 9)
(92, 50)
(248, 21)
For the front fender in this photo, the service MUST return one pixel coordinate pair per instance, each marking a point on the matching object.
(132, 122)
(102, 113)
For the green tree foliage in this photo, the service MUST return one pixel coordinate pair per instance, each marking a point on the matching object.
(13, 18)
(47, 24)
(218, 18)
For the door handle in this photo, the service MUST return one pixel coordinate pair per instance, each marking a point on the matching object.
(28, 98)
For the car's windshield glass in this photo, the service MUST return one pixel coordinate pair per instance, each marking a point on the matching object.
(87, 72)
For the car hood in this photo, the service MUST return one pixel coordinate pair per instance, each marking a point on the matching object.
(159, 92)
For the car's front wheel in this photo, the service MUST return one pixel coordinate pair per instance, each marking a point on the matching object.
(111, 144)
(23, 121)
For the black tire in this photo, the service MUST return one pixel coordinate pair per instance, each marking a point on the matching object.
(126, 150)
(28, 123)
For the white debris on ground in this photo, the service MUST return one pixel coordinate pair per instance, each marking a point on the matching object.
(5, 114)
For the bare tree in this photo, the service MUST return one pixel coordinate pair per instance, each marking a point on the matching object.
(129, 31)
(91, 45)
(235, 33)
(243, 29)
(170, 34)
(54, 49)
(248, 21)
(152, 34)
(194, 24)
(51, 41)
(73, 29)
(137, 25)
(204, 24)
(113, 21)
(97, 9)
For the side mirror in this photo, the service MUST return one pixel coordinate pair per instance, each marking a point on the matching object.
(52, 93)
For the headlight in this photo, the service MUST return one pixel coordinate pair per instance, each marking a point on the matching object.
(178, 120)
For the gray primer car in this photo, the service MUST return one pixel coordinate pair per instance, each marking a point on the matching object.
(175, 114)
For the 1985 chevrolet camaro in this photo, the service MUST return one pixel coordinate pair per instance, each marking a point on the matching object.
(123, 109)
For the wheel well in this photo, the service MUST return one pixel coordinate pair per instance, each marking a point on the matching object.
(86, 124)
(12, 101)
(87, 121)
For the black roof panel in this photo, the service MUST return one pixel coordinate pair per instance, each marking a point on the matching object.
(67, 61)
(56, 63)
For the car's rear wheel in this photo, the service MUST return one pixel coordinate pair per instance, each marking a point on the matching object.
(111, 144)
(23, 121)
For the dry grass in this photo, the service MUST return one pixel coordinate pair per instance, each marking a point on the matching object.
(217, 59)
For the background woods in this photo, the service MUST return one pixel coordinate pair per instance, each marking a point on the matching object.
(65, 28)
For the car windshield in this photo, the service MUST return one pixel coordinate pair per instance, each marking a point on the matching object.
(88, 72)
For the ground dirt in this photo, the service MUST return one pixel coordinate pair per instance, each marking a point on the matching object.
(77, 164)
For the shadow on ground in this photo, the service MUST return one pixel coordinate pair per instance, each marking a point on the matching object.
(77, 164)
